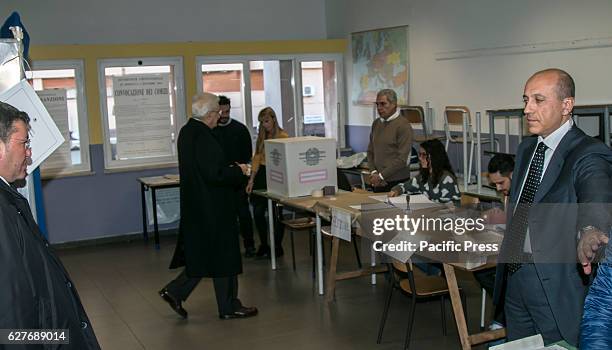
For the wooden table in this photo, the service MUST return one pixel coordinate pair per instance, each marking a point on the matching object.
(321, 208)
(344, 202)
(451, 263)
(154, 183)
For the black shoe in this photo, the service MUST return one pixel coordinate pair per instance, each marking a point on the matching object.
(263, 250)
(243, 312)
(174, 304)
(249, 252)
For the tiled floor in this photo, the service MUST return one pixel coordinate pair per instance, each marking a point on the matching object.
(118, 284)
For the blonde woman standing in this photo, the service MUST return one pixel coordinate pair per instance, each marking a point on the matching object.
(268, 129)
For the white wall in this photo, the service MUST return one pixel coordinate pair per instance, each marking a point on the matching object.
(158, 21)
(485, 82)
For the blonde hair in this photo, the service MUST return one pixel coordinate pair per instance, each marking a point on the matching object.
(262, 135)
(203, 103)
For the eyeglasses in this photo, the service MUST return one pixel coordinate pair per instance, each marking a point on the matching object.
(26, 143)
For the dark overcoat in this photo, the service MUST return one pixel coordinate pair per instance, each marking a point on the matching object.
(35, 289)
(208, 244)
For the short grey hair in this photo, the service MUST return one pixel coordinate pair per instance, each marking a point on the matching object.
(203, 103)
(389, 93)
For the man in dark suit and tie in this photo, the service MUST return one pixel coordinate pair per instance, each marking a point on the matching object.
(560, 189)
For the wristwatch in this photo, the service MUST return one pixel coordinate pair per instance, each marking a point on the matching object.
(586, 229)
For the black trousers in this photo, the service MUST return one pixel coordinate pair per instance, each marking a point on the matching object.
(245, 219)
(260, 206)
(226, 291)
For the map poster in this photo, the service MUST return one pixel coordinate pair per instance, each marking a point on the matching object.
(380, 61)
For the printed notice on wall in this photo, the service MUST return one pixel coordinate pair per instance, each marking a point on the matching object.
(143, 116)
(56, 103)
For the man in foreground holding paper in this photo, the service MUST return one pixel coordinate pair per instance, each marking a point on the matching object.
(560, 189)
(35, 289)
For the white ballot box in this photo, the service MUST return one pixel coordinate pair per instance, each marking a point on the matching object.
(296, 166)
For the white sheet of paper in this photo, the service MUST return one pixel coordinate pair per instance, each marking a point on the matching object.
(44, 134)
(535, 342)
(56, 103)
(142, 113)
(341, 224)
(400, 201)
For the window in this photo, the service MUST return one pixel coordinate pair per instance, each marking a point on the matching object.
(142, 102)
(320, 103)
(60, 86)
(303, 90)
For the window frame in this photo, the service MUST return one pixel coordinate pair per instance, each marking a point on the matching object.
(298, 97)
(83, 119)
(112, 165)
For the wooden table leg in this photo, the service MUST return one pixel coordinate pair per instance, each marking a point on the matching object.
(453, 288)
(333, 264)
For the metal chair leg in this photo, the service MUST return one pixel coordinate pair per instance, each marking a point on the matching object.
(464, 303)
(443, 313)
(410, 322)
(383, 320)
(356, 251)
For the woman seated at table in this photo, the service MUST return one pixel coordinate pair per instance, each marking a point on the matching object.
(436, 178)
(268, 129)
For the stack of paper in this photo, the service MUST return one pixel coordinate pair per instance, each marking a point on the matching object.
(417, 201)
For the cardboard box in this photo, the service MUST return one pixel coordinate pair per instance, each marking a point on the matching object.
(296, 166)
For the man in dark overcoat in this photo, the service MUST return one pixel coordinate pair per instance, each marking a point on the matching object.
(208, 244)
(35, 289)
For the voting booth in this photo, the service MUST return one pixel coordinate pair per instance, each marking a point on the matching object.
(296, 166)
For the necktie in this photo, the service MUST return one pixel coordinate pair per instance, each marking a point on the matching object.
(518, 226)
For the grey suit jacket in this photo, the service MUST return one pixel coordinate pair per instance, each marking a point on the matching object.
(575, 191)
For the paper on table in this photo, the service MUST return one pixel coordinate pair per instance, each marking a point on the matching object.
(535, 342)
(372, 206)
(45, 135)
(400, 201)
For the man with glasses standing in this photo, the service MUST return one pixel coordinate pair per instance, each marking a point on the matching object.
(390, 144)
(35, 289)
(235, 140)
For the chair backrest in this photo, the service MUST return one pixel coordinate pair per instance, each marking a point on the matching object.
(466, 199)
(415, 115)
(453, 115)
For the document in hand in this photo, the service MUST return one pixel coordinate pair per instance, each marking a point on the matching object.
(534, 342)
